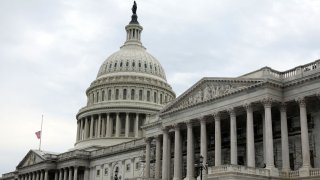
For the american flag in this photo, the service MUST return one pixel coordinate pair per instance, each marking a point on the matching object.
(38, 134)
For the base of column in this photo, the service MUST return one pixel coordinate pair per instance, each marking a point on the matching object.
(177, 178)
(304, 171)
(204, 177)
(189, 178)
(273, 171)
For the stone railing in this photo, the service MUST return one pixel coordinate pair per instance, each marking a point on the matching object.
(238, 169)
(315, 172)
(8, 175)
(72, 154)
(118, 148)
(289, 174)
(292, 73)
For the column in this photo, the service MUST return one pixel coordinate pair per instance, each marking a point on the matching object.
(269, 136)
(36, 175)
(70, 174)
(82, 130)
(250, 137)
(158, 160)
(41, 175)
(177, 171)
(99, 127)
(136, 128)
(109, 130)
(217, 139)
(75, 173)
(56, 176)
(147, 168)
(46, 175)
(65, 174)
(284, 138)
(103, 133)
(203, 142)
(86, 174)
(78, 130)
(118, 126)
(169, 157)
(304, 134)
(190, 152)
(127, 125)
(91, 127)
(60, 174)
(164, 155)
(233, 137)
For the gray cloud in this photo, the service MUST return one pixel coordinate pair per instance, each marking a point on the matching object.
(51, 51)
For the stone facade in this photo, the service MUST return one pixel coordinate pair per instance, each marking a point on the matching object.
(262, 125)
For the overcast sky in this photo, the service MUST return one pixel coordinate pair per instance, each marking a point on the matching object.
(50, 52)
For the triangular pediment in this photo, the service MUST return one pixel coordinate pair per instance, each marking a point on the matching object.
(208, 89)
(31, 158)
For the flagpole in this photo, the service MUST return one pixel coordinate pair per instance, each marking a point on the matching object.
(41, 133)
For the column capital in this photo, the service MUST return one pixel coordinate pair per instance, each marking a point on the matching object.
(188, 123)
(203, 120)
(283, 107)
(231, 111)
(165, 129)
(176, 126)
(267, 101)
(216, 116)
(247, 106)
(301, 101)
(147, 139)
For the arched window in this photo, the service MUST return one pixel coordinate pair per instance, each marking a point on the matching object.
(127, 64)
(160, 98)
(92, 98)
(132, 94)
(109, 94)
(120, 64)
(124, 94)
(133, 64)
(102, 96)
(148, 95)
(140, 95)
(139, 64)
(115, 64)
(97, 96)
(165, 99)
(117, 94)
(155, 97)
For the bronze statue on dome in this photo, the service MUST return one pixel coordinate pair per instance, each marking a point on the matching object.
(134, 7)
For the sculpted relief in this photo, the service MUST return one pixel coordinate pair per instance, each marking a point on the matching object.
(208, 91)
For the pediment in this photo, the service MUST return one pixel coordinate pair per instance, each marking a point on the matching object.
(30, 159)
(208, 89)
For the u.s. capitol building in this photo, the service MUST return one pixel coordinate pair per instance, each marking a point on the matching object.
(262, 125)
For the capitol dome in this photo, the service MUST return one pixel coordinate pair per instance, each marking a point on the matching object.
(130, 86)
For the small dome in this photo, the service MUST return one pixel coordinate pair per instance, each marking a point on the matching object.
(132, 60)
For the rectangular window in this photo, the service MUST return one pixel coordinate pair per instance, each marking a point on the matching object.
(148, 95)
(155, 97)
(124, 94)
(128, 167)
(98, 172)
(140, 95)
(137, 165)
(117, 94)
(160, 98)
(132, 94)
(109, 94)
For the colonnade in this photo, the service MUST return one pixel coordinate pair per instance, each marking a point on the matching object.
(250, 142)
(35, 175)
(110, 125)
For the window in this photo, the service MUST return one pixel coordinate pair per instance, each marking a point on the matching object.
(115, 64)
(155, 97)
(127, 64)
(145, 66)
(133, 64)
(148, 95)
(109, 94)
(92, 97)
(139, 64)
(98, 172)
(128, 167)
(106, 171)
(132, 94)
(140, 95)
(110, 65)
(137, 165)
(121, 64)
(165, 99)
(160, 98)
(97, 96)
(117, 94)
(102, 98)
(124, 94)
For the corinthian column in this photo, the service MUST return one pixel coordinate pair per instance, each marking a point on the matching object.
(75, 173)
(233, 137)
(250, 137)
(177, 172)
(127, 125)
(147, 168)
(203, 142)
(158, 158)
(46, 177)
(91, 127)
(217, 139)
(268, 130)
(165, 155)
(284, 138)
(304, 134)
(190, 152)
(118, 126)
(99, 126)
